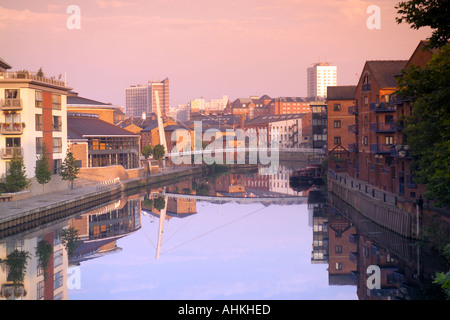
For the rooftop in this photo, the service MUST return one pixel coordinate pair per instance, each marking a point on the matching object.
(341, 93)
(86, 125)
(385, 71)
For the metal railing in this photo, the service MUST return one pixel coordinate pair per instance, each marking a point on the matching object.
(383, 127)
(12, 128)
(8, 152)
(11, 104)
(31, 76)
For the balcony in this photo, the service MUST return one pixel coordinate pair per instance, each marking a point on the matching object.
(11, 104)
(353, 147)
(31, 76)
(352, 128)
(381, 148)
(382, 107)
(353, 110)
(383, 127)
(12, 128)
(8, 152)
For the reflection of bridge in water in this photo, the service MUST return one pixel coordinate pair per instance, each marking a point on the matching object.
(273, 198)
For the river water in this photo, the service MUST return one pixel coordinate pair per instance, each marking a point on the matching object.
(234, 235)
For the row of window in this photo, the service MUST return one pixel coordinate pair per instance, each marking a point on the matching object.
(389, 140)
(39, 100)
(56, 124)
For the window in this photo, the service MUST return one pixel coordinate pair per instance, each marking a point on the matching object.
(389, 140)
(58, 280)
(57, 145)
(337, 123)
(39, 101)
(57, 166)
(56, 101)
(39, 145)
(12, 142)
(12, 93)
(337, 140)
(365, 141)
(338, 266)
(338, 249)
(40, 290)
(39, 122)
(58, 258)
(57, 124)
(337, 107)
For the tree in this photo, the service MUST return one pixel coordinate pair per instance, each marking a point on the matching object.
(147, 151)
(40, 73)
(69, 168)
(158, 152)
(70, 240)
(42, 171)
(16, 179)
(44, 252)
(17, 265)
(427, 130)
(427, 13)
(159, 203)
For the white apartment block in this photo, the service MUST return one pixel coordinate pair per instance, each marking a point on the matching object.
(34, 286)
(213, 105)
(319, 77)
(33, 113)
(141, 99)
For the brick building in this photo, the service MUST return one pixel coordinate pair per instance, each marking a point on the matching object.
(340, 137)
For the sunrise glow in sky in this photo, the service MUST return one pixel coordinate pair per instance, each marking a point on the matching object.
(207, 48)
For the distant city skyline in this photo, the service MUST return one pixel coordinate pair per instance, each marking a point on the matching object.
(246, 48)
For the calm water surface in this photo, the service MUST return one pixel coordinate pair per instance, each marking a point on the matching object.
(223, 237)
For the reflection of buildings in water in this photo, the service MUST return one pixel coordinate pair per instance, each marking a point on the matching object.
(230, 183)
(319, 252)
(341, 248)
(101, 228)
(35, 287)
(405, 270)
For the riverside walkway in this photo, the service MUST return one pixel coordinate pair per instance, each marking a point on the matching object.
(39, 209)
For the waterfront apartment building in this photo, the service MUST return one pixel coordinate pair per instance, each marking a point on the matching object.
(140, 99)
(375, 123)
(106, 143)
(34, 113)
(341, 123)
(320, 76)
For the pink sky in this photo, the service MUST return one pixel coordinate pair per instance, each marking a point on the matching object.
(205, 47)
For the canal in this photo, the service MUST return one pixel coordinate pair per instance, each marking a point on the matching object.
(236, 234)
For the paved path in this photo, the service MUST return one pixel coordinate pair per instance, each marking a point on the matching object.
(368, 189)
(11, 208)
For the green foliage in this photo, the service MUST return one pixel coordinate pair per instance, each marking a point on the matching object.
(159, 203)
(158, 152)
(42, 171)
(427, 13)
(147, 151)
(40, 73)
(70, 240)
(443, 279)
(16, 179)
(69, 168)
(44, 252)
(17, 264)
(427, 130)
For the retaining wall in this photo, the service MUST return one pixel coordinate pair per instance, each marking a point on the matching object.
(388, 216)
